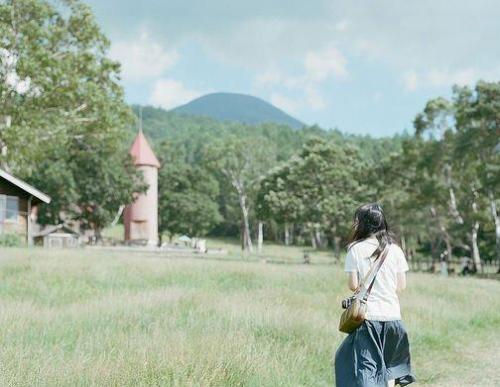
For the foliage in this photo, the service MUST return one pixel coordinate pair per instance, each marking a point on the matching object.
(11, 240)
(65, 128)
(239, 163)
(449, 175)
(187, 196)
(63, 116)
(320, 188)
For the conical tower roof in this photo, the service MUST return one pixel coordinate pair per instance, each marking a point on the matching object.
(141, 152)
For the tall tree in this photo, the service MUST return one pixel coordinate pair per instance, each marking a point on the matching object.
(63, 116)
(478, 145)
(240, 162)
(54, 77)
(319, 188)
(187, 195)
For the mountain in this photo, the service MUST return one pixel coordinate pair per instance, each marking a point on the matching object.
(237, 107)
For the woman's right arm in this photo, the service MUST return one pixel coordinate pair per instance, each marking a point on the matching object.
(351, 267)
(401, 282)
(402, 268)
(353, 282)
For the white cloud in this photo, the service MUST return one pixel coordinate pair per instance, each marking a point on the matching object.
(410, 79)
(439, 77)
(143, 58)
(425, 33)
(446, 78)
(269, 77)
(285, 103)
(169, 93)
(377, 96)
(320, 65)
(342, 25)
(314, 99)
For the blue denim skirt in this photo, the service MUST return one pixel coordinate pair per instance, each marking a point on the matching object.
(374, 353)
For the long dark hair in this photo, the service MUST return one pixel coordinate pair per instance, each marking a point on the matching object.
(369, 220)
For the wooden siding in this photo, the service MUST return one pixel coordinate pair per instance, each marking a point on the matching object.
(19, 226)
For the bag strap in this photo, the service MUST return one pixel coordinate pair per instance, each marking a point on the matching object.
(374, 271)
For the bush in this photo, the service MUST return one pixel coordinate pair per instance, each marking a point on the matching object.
(11, 240)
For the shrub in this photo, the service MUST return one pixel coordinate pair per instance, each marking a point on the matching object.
(11, 240)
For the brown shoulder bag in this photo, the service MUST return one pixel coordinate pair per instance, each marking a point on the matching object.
(355, 306)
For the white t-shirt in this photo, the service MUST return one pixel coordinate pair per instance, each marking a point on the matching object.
(383, 302)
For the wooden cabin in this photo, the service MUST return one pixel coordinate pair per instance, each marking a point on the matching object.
(18, 200)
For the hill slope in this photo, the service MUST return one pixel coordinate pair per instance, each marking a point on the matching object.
(237, 107)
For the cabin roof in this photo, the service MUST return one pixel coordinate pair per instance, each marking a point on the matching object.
(61, 228)
(24, 186)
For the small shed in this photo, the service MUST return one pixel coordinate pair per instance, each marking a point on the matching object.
(59, 236)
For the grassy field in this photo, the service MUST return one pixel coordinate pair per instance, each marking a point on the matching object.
(85, 317)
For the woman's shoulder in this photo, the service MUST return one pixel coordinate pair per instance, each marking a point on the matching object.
(362, 245)
(394, 248)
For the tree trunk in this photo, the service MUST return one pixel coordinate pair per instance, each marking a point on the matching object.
(453, 201)
(117, 216)
(444, 268)
(449, 249)
(247, 239)
(444, 233)
(313, 238)
(287, 235)
(475, 250)
(317, 235)
(260, 237)
(453, 207)
(336, 241)
(242, 235)
(3, 145)
(97, 234)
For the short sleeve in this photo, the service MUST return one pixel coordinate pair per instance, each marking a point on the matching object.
(401, 265)
(351, 264)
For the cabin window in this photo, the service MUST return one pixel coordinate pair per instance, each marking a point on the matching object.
(9, 208)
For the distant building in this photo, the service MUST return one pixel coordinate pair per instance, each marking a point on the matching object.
(18, 201)
(57, 236)
(141, 217)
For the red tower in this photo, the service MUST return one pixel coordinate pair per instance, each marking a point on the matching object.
(141, 217)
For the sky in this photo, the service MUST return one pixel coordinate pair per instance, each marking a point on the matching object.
(364, 67)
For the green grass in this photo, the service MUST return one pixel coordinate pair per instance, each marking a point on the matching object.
(86, 318)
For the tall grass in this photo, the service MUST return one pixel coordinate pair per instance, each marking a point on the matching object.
(86, 318)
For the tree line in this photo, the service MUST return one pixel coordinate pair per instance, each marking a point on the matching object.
(64, 126)
(439, 185)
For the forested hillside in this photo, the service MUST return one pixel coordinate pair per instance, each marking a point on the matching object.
(194, 131)
(198, 194)
(439, 185)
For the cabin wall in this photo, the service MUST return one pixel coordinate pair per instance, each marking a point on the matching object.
(18, 226)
